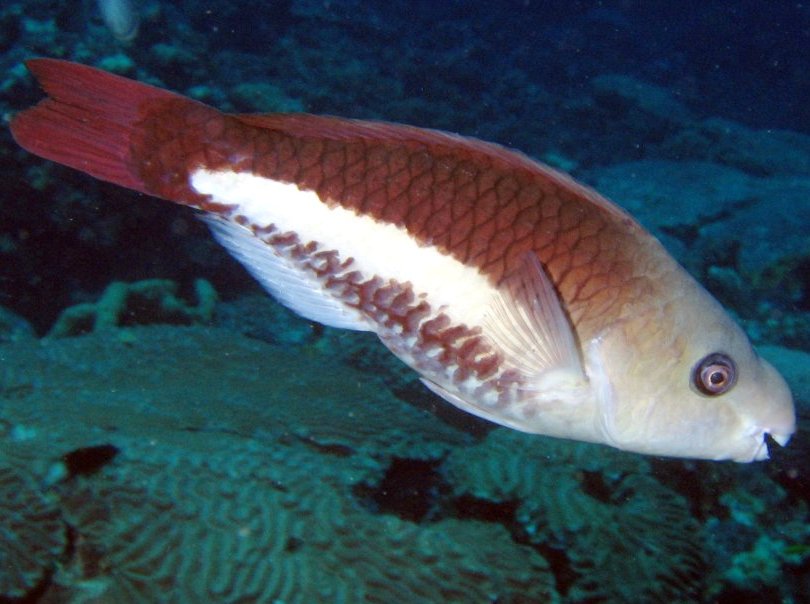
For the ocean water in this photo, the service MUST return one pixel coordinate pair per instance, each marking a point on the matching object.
(169, 433)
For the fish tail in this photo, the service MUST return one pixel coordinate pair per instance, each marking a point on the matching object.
(99, 123)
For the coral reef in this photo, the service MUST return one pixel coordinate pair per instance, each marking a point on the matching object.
(259, 316)
(13, 327)
(187, 484)
(765, 563)
(144, 302)
(196, 520)
(33, 535)
(620, 535)
(264, 97)
(757, 533)
(300, 480)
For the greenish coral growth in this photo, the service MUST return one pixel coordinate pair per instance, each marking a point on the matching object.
(141, 302)
(766, 562)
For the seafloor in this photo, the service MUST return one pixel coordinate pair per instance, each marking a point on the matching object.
(170, 434)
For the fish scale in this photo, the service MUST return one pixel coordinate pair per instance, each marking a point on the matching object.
(516, 293)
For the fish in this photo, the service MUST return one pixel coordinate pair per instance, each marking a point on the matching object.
(516, 293)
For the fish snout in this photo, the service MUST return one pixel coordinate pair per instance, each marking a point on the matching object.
(774, 419)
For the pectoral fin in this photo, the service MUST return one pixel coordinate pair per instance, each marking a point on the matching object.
(526, 321)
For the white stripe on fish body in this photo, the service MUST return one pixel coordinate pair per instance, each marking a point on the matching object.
(377, 248)
(438, 315)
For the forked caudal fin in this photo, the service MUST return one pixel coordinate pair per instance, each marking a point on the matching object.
(89, 119)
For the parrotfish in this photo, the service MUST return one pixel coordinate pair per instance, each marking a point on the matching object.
(517, 294)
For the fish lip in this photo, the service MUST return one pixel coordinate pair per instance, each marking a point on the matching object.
(761, 452)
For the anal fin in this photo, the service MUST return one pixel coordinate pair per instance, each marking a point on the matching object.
(495, 416)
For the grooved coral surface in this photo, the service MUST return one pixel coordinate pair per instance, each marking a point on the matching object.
(266, 524)
(32, 533)
(624, 536)
(195, 465)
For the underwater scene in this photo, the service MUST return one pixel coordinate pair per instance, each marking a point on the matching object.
(209, 410)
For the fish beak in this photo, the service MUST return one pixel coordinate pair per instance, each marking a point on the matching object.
(781, 439)
(766, 442)
(774, 438)
(767, 446)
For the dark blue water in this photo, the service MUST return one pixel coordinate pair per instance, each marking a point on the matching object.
(693, 116)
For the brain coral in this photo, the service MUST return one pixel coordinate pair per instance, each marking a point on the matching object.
(617, 534)
(32, 534)
(237, 521)
(195, 465)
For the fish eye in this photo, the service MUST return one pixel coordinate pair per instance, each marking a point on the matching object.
(715, 374)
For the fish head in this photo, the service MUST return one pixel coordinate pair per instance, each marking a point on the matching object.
(682, 379)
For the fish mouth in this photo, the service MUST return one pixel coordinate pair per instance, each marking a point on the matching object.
(768, 443)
